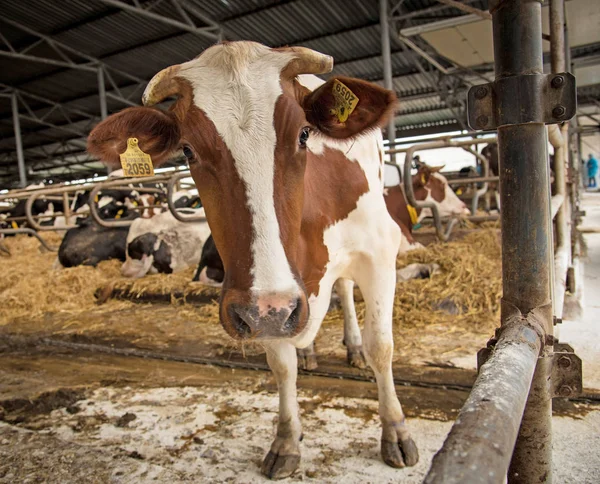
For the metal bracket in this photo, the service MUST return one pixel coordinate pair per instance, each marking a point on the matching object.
(567, 380)
(533, 98)
(566, 369)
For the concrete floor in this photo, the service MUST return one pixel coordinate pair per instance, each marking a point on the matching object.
(584, 333)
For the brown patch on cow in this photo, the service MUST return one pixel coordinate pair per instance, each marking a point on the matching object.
(398, 208)
(374, 108)
(157, 133)
(329, 197)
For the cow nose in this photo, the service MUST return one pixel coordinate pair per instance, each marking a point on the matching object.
(268, 318)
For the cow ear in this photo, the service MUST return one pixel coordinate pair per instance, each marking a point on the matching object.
(344, 107)
(436, 169)
(157, 132)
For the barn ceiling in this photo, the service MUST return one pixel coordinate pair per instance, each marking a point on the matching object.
(55, 56)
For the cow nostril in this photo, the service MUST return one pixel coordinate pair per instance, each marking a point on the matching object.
(292, 321)
(241, 327)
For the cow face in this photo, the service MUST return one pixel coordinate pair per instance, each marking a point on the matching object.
(431, 186)
(243, 121)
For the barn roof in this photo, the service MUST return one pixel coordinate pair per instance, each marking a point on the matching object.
(54, 54)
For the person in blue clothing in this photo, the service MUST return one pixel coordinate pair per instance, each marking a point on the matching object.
(592, 167)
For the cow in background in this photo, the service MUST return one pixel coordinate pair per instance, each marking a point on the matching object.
(289, 171)
(429, 185)
(164, 244)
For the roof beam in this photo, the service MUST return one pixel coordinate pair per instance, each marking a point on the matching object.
(467, 8)
(187, 26)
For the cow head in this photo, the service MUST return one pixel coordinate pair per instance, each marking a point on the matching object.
(431, 186)
(242, 120)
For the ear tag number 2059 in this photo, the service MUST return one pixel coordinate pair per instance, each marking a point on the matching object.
(134, 161)
(345, 101)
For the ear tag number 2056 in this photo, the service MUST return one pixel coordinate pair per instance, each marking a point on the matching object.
(134, 161)
(345, 101)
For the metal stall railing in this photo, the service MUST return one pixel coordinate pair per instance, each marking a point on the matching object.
(63, 191)
(504, 430)
(447, 142)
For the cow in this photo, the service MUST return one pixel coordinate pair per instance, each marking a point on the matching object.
(89, 244)
(164, 244)
(210, 268)
(289, 170)
(429, 185)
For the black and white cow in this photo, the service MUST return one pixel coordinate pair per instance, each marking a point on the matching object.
(164, 244)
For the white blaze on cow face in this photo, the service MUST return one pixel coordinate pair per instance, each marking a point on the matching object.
(237, 86)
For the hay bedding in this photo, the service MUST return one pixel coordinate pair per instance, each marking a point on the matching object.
(470, 281)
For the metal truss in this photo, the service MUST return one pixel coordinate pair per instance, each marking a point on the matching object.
(185, 10)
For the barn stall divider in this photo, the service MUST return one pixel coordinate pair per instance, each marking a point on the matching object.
(66, 193)
(505, 427)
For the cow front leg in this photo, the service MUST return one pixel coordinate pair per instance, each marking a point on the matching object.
(378, 286)
(284, 457)
(352, 338)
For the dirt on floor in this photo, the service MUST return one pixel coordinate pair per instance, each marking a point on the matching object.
(70, 417)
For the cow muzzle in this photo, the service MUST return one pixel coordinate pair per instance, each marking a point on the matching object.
(265, 317)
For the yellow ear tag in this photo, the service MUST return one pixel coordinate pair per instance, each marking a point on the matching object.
(412, 211)
(423, 179)
(459, 191)
(345, 101)
(14, 225)
(134, 161)
(119, 213)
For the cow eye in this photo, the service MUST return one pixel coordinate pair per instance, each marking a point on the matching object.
(189, 154)
(304, 133)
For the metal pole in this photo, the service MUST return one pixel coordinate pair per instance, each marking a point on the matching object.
(526, 234)
(18, 141)
(102, 94)
(386, 54)
(103, 104)
(478, 448)
(562, 257)
(480, 445)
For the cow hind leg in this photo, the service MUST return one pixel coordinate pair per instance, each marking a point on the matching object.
(352, 338)
(284, 456)
(307, 357)
(377, 284)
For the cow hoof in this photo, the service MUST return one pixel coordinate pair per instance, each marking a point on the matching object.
(356, 358)
(403, 453)
(307, 359)
(277, 466)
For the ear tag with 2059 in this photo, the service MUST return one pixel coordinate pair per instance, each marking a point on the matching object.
(345, 101)
(134, 161)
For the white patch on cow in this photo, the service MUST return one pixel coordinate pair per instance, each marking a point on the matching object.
(104, 201)
(185, 241)
(204, 279)
(237, 86)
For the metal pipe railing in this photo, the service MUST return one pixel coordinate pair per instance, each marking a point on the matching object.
(443, 234)
(497, 434)
(116, 184)
(491, 415)
(170, 190)
(31, 232)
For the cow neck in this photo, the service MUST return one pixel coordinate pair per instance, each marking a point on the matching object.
(333, 185)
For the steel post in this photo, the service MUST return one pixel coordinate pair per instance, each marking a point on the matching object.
(386, 54)
(526, 229)
(14, 103)
(102, 94)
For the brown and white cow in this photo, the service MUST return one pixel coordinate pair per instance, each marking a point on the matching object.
(293, 194)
